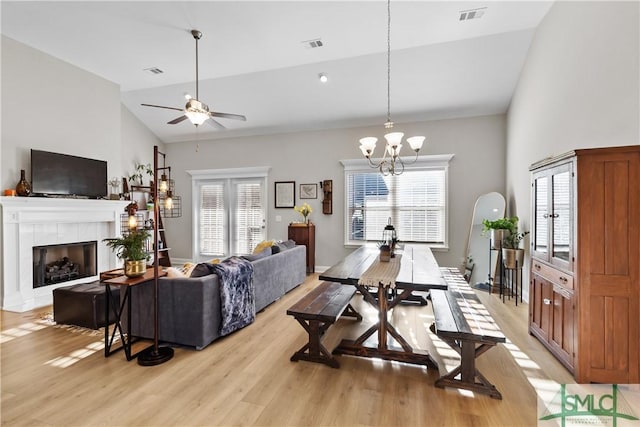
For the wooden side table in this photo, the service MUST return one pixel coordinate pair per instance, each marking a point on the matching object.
(305, 234)
(110, 278)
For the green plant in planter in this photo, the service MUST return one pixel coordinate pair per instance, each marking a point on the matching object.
(513, 240)
(139, 171)
(131, 246)
(510, 224)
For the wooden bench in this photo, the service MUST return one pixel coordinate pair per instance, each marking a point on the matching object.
(463, 322)
(318, 310)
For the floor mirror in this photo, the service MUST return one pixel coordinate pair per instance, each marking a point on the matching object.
(480, 262)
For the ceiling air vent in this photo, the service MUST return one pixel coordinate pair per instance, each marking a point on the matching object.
(313, 43)
(153, 70)
(466, 15)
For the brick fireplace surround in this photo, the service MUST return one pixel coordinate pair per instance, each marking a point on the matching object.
(38, 221)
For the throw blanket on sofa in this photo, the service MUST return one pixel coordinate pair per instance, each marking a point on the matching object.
(237, 296)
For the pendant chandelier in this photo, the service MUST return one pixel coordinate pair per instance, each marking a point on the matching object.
(391, 162)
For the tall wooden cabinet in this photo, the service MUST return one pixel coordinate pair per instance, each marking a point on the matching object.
(305, 234)
(585, 265)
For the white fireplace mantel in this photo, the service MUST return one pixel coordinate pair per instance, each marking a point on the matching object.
(39, 221)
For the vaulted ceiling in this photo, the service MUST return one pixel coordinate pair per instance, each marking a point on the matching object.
(253, 59)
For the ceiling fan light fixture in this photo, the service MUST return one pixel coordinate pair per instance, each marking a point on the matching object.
(196, 117)
(197, 112)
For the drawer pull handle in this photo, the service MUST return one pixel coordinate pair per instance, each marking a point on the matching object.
(537, 266)
(546, 301)
(563, 279)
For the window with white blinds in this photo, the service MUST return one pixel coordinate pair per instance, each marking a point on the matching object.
(231, 216)
(249, 216)
(416, 202)
(212, 219)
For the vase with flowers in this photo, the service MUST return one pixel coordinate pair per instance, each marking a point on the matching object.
(304, 210)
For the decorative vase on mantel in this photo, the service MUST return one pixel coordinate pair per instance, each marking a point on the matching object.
(24, 187)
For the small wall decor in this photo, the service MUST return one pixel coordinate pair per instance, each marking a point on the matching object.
(285, 194)
(327, 201)
(308, 191)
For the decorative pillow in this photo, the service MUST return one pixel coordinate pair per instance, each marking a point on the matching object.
(265, 253)
(173, 272)
(262, 246)
(201, 269)
(187, 268)
(289, 244)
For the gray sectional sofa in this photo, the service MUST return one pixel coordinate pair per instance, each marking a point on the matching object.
(189, 308)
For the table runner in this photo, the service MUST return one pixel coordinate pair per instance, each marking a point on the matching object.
(384, 273)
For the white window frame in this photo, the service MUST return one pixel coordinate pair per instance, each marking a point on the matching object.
(202, 176)
(436, 161)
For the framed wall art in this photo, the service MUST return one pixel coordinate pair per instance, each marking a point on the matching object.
(308, 191)
(285, 194)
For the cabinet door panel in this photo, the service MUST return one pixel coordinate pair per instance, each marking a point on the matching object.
(540, 237)
(563, 326)
(535, 304)
(561, 217)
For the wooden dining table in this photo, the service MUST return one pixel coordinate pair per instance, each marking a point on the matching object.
(418, 271)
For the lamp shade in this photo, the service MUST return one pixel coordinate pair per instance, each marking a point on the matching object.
(394, 138)
(196, 117)
(416, 142)
(368, 144)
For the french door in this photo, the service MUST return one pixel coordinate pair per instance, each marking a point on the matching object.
(230, 216)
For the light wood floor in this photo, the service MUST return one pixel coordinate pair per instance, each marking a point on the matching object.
(53, 376)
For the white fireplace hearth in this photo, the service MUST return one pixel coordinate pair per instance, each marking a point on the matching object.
(39, 221)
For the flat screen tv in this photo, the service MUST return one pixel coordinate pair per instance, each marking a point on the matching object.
(54, 174)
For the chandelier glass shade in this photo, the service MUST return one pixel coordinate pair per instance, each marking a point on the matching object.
(391, 162)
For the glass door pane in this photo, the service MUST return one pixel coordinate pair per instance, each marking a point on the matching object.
(249, 215)
(541, 226)
(561, 215)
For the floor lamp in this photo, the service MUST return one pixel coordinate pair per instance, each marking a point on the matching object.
(155, 355)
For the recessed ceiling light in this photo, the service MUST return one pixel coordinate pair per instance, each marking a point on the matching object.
(323, 77)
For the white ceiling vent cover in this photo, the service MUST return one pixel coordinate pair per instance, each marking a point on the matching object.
(313, 43)
(466, 15)
(153, 70)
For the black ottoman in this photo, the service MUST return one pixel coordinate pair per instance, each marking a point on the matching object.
(83, 305)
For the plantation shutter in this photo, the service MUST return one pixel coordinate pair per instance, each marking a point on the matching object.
(212, 219)
(249, 216)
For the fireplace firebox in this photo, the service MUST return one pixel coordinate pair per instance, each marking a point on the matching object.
(53, 264)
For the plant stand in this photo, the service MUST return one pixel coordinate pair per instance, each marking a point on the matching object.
(512, 280)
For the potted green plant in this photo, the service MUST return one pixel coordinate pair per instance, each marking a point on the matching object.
(512, 254)
(131, 247)
(500, 229)
(136, 178)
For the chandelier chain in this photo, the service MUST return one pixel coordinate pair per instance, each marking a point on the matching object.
(388, 61)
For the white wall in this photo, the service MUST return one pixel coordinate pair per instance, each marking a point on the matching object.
(309, 157)
(51, 105)
(578, 89)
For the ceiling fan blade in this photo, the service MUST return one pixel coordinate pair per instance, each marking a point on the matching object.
(162, 106)
(177, 120)
(228, 116)
(213, 122)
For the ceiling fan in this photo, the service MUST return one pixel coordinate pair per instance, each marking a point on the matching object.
(196, 111)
